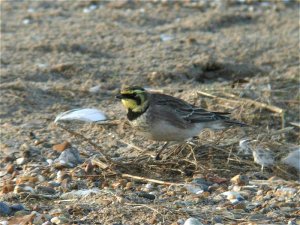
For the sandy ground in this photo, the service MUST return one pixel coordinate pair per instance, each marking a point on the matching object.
(52, 53)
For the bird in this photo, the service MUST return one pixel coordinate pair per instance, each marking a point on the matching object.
(162, 117)
(262, 155)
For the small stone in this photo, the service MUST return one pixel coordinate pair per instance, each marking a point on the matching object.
(25, 147)
(240, 180)
(62, 176)
(116, 185)
(217, 220)
(240, 205)
(41, 178)
(47, 223)
(55, 212)
(204, 184)
(148, 187)
(21, 161)
(180, 222)
(192, 221)
(17, 207)
(61, 147)
(53, 183)
(95, 89)
(69, 158)
(4, 209)
(7, 187)
(233, 197)
(194, 188)
(146, 195)
(23, 188)
(10, 168)
(49, 161)
(59, 220)
(26, 179)
(129, 185)
(294, 222)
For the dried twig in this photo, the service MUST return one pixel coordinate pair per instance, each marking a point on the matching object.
(238, 100)
(150, 180)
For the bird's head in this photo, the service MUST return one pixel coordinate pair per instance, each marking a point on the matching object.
(134, 98)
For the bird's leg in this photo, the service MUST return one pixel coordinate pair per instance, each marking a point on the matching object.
(262, 169)
(161, 150)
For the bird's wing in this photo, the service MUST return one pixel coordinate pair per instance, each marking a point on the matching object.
(186, 111)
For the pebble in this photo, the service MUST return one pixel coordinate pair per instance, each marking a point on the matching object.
(49, 161)
(233, 197)
(217, 220)
(95, 89)
(5, 210)
(240, 205)
(59, 220)
(240, 180)
(148, 187)
(146, 195)
(203, 183)
(56, 212)
(41, 178)
(69, 158)
(192, 221)
(25, 147)
(61, 147)
(21, 161)
(194, 188)
(10, 168)
(17, 207)
(47, 223)
(23, 188)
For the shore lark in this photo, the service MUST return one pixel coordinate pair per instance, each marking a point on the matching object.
(162, 117)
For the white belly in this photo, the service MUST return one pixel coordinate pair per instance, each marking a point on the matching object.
(165, 132)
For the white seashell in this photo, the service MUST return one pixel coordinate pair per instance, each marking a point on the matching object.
(87, 115)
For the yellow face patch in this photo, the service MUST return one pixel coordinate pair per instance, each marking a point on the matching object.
(134, 98)
(129, 103)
